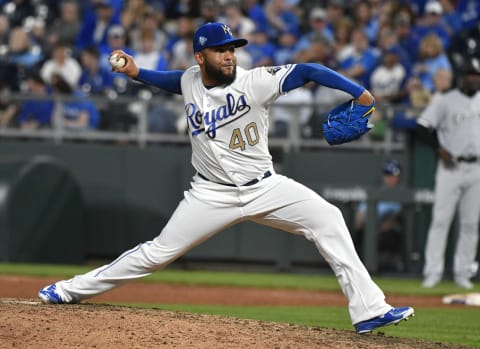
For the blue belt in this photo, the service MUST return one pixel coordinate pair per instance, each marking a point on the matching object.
(249, 183)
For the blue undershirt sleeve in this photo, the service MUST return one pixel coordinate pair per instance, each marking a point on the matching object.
(166, 80)
(306, 72)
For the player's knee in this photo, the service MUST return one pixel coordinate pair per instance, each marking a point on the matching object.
(334, 212)
(330, 217)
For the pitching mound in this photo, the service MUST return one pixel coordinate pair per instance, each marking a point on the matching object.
(29, 324)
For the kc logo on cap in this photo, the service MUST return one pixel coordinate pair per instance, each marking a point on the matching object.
(227, 29)
(215, 34)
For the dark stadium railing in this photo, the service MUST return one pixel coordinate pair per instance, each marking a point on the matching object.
(382, 138)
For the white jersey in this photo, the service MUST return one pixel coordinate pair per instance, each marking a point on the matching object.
(228, 125)
(385, 81)
(456, 118)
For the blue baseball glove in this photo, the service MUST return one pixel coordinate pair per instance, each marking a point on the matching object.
(347, 122)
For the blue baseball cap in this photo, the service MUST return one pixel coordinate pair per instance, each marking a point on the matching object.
(391, 167)
(395, 49)
(215, 34)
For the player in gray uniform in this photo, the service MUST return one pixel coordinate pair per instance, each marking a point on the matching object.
(452, 120)
(227, 111)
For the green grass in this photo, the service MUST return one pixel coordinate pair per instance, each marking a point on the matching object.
(449, 325)
(320, 282)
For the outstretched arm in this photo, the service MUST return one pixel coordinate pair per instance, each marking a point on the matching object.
(306, 72)
(346, 122)
(166, 80)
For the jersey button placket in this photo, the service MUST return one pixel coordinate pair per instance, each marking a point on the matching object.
(207, 103)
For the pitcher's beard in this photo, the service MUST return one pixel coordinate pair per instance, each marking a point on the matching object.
(219, 76)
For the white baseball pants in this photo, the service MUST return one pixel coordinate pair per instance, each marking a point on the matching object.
(457, 188)
(208, 208)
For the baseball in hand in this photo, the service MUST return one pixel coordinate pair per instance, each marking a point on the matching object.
(116, 61)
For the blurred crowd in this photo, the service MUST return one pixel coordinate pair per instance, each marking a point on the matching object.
(403, 51)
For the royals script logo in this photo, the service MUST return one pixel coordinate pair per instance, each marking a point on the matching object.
(215, 118)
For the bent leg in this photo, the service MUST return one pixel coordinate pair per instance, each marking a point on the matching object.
(191, 223)
(305, 212)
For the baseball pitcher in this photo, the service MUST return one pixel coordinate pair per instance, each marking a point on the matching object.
(227, 110)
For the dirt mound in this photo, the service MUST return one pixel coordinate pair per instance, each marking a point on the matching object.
(25, 323)
(29, 324)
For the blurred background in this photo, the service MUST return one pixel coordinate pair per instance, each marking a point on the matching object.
(92, 163)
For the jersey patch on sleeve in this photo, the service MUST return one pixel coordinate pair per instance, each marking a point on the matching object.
(273, 70)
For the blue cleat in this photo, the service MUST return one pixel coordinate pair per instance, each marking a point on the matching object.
(49, 295)
(392, 317)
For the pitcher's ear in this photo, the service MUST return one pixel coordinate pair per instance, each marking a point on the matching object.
(199, 58)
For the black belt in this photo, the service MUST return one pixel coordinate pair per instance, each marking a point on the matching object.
(252, 182)
(467, 159)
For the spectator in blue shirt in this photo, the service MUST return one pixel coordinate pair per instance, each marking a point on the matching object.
(184, 29)
(181, 52)
(361, 61)
(469, 11)
(408, 39)
(432, 23)
(389, 223)
(317, 21)
(21, 51)
(281, 17)
(451, 17)
(116, 40)
(256, 13)
(99, 16)
(432, 58)
(285, 50)
(417, 6)
(362, 13)
(335, 12)
(95, 78)
(36, 113)
(261, 50)
(78, 114)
